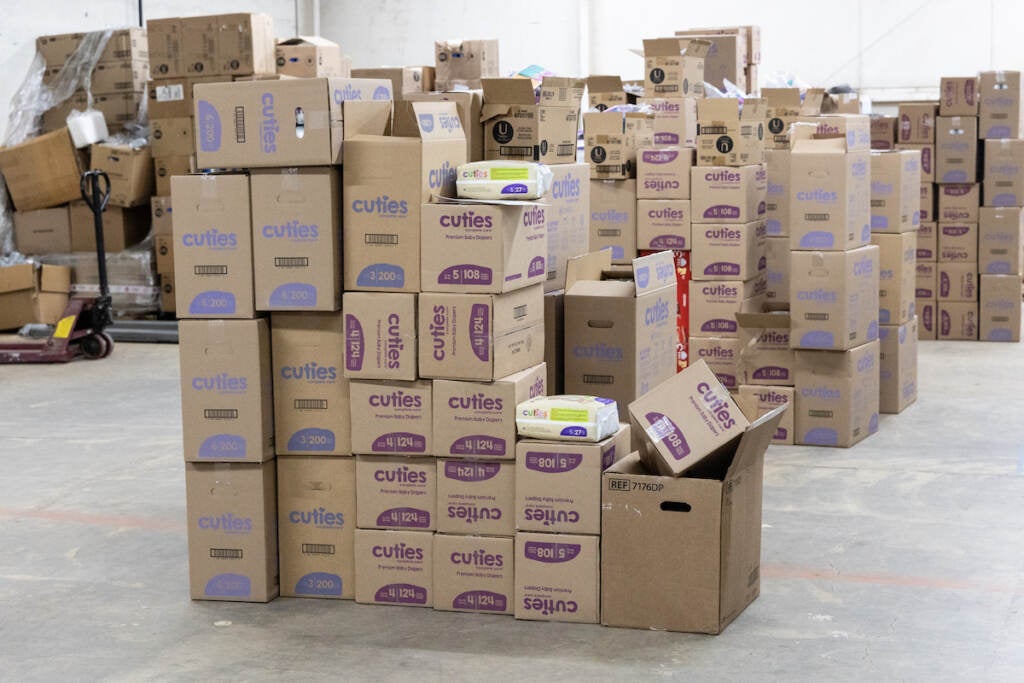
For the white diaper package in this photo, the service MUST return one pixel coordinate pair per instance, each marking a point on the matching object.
(567, 418)
(502, 180)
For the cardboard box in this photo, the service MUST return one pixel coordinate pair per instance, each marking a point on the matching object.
(663, 224)
(199, 45)
(928, 242)
(316, 504)
(391, 418)
(999, 109)
(854, 129)
(41, 172)
(611, 140)
(726, 58)
(1004, 173)
(714, 304)
(405, 80)
(168, 298)
(834, 298)
(557, 577)
(830, 196)
(620, 334)
(956, 149)
(554, 341)
(1000, 243)
(478, 419)
(613, 218)
(465, 63)
(898, 366)
(163, 245)
(172, 137)
(129, 170)
(928, 316)
(722, 355)
(567, 217)
(232, 531)
(43, 231)
(957, 321)
(604, 92)
(558, 483)
(957, 282)
(125, 44)
(469, 104)
(999, 310)
(926, 280)
(783, 108)
(674, 67)
(258, 124)
(395, 567)
(380, 335)
(927, 159)
(664, 172)
(479, 248)
(518, 126)
(895, 191)
(756, 401)
(165, 168)
(897, 272)
(928, 210)
(958, 203)
(729, 134)
(765, 354)
(165, 47)
(119, 109)
(647, 541)
(777, 204)
(171, 98)
(958, 242)
(396, 492)
(728, 252)
(245, 44)
(108, 77)
(475, 497)
(30, 294)
(213, 246)
(675, 120)
(958, 96)
(385, 182)
(917, 123)
(473, 574)
(227, 402)
(837, 396)
(122, 228)
(311, 396)
(728, 195)
(311, 57)
(777, 272)
(480, 336)
(160, 216)
(883, 132)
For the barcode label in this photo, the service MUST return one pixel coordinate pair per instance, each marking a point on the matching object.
(210, 270)
(552, 274)
(317, 549)
(714, 130)
(609, 232)
(666, 88)
(310, 404)
(598, 379)
(877, 203)
(291, 262)
(226, 553)
(1004, 183)
(240, 125)
(815, 316)
(517, 151)
(220, 413)
(616, 168)
(818, 217)
(565, 150)
(381, 239)
(819, 413)
(519, 311)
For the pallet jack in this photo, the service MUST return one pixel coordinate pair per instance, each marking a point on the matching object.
(80, 331)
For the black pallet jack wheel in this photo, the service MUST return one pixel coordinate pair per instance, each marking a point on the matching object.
(109, 341)
(94, 346)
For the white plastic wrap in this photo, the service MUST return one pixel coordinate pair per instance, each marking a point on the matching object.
(134, 290)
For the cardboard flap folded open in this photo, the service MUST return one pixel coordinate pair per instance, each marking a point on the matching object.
(587, 267)
(16, 278)
(755, 440)
(561, 91)
(764, 321)
(308, 40)
(696, 48)
(654, 272)
(506, 91)
(663, 47)
(55, 279)
(604, 84)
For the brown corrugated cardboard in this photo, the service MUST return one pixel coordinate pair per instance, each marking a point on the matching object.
(675, 120)
(897, 269)
(917, 123)
(1000, 241)
(51, 296)
(124, 44)
(834, 298)
(611, 140)
(958, 203)
(777, 179)
(464, 63)
(927, 153)
(469, 104)
(604, 92)
(475, 497)
(227, 402)
(613, 218)
(33, 294)
(898, 366)
(165, 168)
(895, 191)
(292, 122)
(756, 401)
(554, 341)
(777, 270)
(674, 67)
(172, 137)
(165, 49)
(999, 309)
(480, 336)
(726, 58)
(316, 504)
(311, 57)
(405, 80)
(1004, 178)
(837, 396)
(232, 531)
(43, 231)
(478, 419)
(956, 149)
(663, 224)
(160, 216)
(620, 334)
(958, 242)
(391, 418)
(41, 172)
(118, 108)
(473, 574)
(729, 134)
(557, 577)
(395, 567)
(957, 321)
(163, 245)
(928, 242)
(114, 76)
(168, 299)
(783, 108)
(245, 44)
(385, 182)
(664, 172)
(558, 486)
(855, 129)
(728, 252)
(517, 126)
(999, 109)
(474, 247)
(296, 245)
(714, 305)
(928, 209)
(958, 96)
(172, 97)
(927, 312)
(380, 335)
(122, 227)
(567, 217)
(311, 396)
(830, 195)
(129, 170)
(765, 356)
(199, 45)
(883, 132)
(722, 354)
(650, 525)
(396, 492)
(728, 195)
(213, 246)
(926, 280)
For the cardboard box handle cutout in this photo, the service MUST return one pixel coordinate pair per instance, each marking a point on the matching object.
(673, 506)
(601, 324)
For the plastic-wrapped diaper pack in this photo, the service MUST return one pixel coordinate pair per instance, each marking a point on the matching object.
(502, 180)
(567, 418)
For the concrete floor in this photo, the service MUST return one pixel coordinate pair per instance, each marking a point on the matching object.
(900, 559)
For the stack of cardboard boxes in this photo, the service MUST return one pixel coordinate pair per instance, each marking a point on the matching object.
(734, 54)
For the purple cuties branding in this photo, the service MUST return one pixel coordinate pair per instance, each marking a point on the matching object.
(382, 205)
(397, 399)
(817, 195)
(319, 517)
(659, 185)
(438, 329)
(663, 430)
(598, 351)
(466, 219)
(293, 231)
(400, 475)
(441, 176)
(398, 551)
(723, 176)
(223, 383)
(311, 372)
(269, 127)
(226, 523)
(566, 188)
(659, 156)
(718, 406)
(477, 558)
(476, 402)
(210, 239)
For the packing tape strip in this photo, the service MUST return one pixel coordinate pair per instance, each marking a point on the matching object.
(208, 186)
(290, 179)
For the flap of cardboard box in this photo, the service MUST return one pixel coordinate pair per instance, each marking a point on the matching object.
(782, 101)
(603, 84)
(16, 278)
(696, 48)
(778, 320)
(718, 109)
(663, 47)
(559, 91)
(587, 267)
(603, 123)
(654, 272)
(308, 40)
(438, 121)
(755, 440)
(818, 146)
(501, 92)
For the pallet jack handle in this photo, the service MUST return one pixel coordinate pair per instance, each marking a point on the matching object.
(95, 188)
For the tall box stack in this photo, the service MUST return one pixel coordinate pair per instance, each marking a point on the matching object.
(767, 368)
